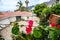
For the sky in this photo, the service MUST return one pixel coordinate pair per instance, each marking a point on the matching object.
(10, 5)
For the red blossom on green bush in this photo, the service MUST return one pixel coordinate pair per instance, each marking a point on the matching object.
(30, 23)
(28, 30)
(53, 24)
(29, 27)
(59, 26)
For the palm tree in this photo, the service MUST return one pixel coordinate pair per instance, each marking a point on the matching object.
(26, 4)
(20, 6)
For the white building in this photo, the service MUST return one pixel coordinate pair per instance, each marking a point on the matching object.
(7, 17)
(21, 17)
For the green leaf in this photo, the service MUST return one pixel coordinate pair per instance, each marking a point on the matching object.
(56, 8)
(38, 8)
(53, 35)
(15, 30)
(37, 33)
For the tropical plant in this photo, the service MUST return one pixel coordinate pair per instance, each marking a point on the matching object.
(43, 12)
(58, 21)
(47, 11)
(56, 8)
(37, 33)
(53, 35)
(15, 29)
(26, 4)
(38, 9)
(20, 6)
(44, 31)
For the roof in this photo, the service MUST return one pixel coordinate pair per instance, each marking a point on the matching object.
(18, 13)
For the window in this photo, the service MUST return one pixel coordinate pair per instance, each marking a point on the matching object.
(18, 18)
(27, 17)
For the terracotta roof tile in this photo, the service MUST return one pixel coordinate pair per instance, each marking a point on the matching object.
(18, 13)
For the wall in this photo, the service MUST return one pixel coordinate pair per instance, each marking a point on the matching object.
(8, 20)
(5, 21)
(6, 33)
(24, 17)
(12, 19)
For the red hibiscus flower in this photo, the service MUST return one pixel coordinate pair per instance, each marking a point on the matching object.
(29, 26)
(28, 30)
(30, 22)
(53, 24)
(59, 26)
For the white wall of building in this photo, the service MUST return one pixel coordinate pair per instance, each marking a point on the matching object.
(6, 33)
(12, 19)
(24, 17)
(8, 20)
(5, 21)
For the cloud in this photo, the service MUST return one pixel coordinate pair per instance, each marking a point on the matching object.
(34, 2)
(6, 5)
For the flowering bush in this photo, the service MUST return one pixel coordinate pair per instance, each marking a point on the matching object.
(55, 31)
(39, 33)
(29, 27)
(28, 30)
(53, 24)
(15, 29)
(59, 26)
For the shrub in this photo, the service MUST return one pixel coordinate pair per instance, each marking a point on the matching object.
(56, 8)
(15, 29)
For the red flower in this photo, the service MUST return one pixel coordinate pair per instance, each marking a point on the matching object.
(28, 30)
(53, 24)
(30, 22)
(29, 26)
(59, 26)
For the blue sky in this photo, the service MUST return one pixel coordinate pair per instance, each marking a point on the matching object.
(6, 5)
